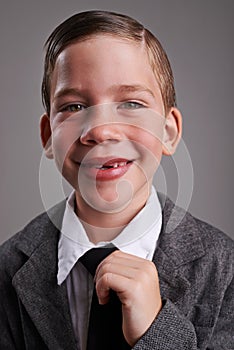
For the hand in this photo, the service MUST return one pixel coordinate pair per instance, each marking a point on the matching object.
(135, 280)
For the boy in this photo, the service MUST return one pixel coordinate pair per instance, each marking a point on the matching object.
(110, 116)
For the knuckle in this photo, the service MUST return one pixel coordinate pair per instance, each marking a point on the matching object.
(143, 278)
(150, 268)
(106, 267)
(137, 287)
(110, 257)
(102, 284)
(147, 273)
(107, 278)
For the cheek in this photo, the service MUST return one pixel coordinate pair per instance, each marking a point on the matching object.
(63, 150)
(151, 154)
(149, 143)
(64, 137)
(150, 150)
(147, 129)
(153, 145)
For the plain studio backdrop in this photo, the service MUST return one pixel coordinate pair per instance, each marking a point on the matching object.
(198, 38)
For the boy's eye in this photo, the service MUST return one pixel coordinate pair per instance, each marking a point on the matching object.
(75, 107)
(131, 105)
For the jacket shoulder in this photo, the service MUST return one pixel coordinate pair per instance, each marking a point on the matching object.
(185, 235)
(212, 236)
(15, 251)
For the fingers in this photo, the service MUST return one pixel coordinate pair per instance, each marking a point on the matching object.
(123, 273)
(135, 280)
(111, 281)
(122, 259)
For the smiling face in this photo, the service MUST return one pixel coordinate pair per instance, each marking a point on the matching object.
(107, 123)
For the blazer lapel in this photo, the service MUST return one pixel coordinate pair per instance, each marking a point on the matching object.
(175, 249)
(45, 302)
(173, 285)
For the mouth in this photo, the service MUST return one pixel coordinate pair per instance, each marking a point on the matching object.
(105, 169)
(107, 165)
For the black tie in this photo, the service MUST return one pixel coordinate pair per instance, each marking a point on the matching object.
(105, 321)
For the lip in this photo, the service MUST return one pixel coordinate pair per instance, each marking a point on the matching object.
(105, 169)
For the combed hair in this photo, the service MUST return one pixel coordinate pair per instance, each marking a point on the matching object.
(87, 24)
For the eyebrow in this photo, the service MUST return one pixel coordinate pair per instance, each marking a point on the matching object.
(115, 88)
(132, 88)
(67, 91)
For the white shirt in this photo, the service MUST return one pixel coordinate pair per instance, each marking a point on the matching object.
(139, 238)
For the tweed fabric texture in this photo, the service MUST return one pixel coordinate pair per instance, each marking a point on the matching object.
(195, 263)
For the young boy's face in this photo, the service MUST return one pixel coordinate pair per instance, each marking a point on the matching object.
(107, 122)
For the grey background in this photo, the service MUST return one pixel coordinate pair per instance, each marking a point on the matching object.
(198, 38)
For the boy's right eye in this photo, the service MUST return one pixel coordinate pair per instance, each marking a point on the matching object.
(75, 107)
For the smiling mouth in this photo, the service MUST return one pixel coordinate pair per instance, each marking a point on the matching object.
(114, 166)
(105, 169)
(111, 164)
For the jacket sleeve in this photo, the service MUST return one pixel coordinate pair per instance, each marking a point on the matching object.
(11, 336)
(223, 336)
(172, 330)
(6, 338)
(169, 331)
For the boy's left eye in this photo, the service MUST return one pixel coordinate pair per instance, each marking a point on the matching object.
(131, 105)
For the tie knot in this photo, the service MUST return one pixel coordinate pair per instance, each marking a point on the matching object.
(93, 257)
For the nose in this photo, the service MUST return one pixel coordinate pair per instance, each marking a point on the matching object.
(100, 134)
(100, 126)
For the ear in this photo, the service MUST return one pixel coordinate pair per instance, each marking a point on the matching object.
(172, 131)
(46, 135)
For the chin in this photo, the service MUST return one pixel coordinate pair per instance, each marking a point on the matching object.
(109, 200)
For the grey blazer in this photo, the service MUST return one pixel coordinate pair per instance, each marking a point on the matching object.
(195, 266)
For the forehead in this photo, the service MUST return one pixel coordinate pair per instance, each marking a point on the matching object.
(101, 61)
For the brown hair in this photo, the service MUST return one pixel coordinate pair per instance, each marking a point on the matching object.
(83, 25)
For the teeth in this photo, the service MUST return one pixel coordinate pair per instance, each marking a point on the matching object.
(115, 165)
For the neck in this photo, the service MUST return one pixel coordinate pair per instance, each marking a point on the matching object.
(102, 226)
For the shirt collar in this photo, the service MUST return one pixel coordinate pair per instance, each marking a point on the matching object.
(139, 237)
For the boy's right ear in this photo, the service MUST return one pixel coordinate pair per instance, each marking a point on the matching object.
(46, 135)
